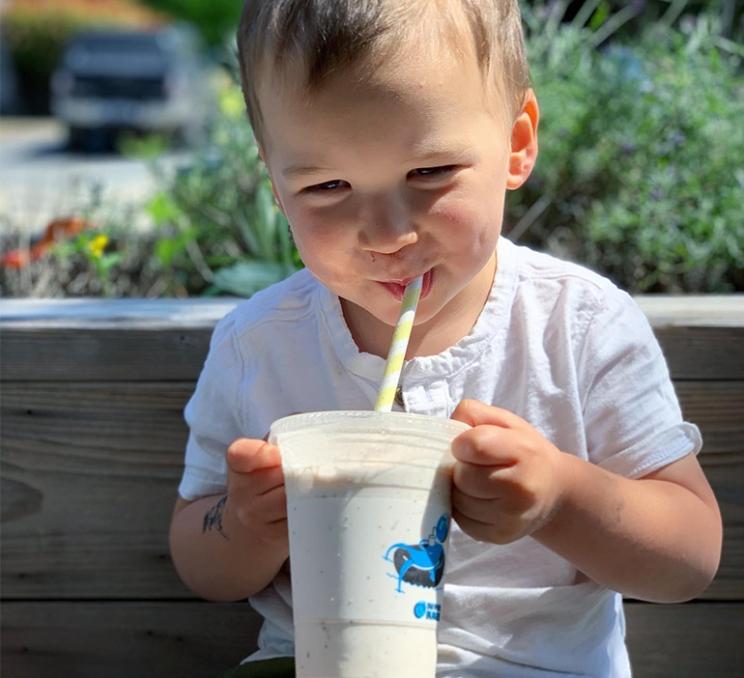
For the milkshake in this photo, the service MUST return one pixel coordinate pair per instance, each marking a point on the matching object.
(368, 504)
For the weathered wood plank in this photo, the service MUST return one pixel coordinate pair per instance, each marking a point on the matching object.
(89, 476)
(156, 313)
(97, 418)
(686, 641)
(717, 407)
(693, 310)
(149, 414)
(125, 639)
(698, 310)
(703, 353)
(90, 471)
(162, 340)
(192, 639)
(102, 354)
(95, 354)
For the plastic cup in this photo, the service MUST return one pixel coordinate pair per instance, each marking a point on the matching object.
(368, 505)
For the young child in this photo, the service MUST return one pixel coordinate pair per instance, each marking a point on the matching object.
(392, 131)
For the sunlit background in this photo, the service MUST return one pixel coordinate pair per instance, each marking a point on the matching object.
(127, 167)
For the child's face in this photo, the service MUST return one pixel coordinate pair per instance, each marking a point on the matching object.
(396, 176)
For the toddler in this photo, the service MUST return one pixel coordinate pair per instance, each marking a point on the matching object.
(391, 131)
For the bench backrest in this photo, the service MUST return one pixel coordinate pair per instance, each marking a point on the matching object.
(92, 441)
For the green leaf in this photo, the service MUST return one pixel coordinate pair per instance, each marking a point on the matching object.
(166, 249)
(248, 277)
(600, 15)
(162, 208)
(109, 260)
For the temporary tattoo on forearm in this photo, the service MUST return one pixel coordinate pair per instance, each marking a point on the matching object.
(213, 518)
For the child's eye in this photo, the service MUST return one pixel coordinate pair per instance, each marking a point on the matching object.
(327, 186)
(432, 171)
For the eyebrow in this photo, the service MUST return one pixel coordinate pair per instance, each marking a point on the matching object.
(433, 154)
(449, 157)
(445, 151)
(301, 170)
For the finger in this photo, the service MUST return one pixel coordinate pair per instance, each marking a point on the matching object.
(277, 531)
(475, 529)
(481, 482)
(474, 412)
(486, 445)
(247, 454)
(509, 498)
(484, 520)
(256, 482)
(258, 511)
(272, 506)
(483, 510)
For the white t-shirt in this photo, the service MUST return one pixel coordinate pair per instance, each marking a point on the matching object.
(556, 344)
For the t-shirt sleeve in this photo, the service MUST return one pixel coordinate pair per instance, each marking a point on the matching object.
(213, 415)
(632, 417)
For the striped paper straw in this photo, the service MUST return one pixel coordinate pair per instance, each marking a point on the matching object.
(398, 346)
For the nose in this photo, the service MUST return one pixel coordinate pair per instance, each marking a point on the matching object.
(387, 226)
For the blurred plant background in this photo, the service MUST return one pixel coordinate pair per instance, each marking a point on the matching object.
(216, 20)
(35, 32)
(640, 173)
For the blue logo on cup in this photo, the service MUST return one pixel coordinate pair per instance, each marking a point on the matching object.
(421, 564)
(442, 528)
(424, 610)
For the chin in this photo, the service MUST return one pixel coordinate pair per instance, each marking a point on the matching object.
(386, 309)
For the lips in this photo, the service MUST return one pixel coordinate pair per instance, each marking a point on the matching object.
(398, 287)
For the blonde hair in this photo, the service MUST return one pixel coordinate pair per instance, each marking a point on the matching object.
(331, 35)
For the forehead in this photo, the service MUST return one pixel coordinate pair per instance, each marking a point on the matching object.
(419, 93)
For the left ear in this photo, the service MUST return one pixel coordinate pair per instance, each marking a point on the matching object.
(523, 153)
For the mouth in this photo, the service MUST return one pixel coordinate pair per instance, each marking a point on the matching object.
(398, 287)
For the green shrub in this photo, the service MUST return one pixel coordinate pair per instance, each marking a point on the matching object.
(109, 258)
(620, 19)
(639, 176)
(640, 173)
(215, 20)
(218, 228)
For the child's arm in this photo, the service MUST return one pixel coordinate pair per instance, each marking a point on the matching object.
(657, 538)
(230, 546)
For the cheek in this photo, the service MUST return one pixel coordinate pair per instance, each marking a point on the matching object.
(312, 232)
(323, 245)
(312, 229)
(468, 225)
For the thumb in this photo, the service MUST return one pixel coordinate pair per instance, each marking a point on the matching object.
(248, 454)
(475, 413)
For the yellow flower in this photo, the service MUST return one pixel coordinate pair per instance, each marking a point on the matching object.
(98, 245)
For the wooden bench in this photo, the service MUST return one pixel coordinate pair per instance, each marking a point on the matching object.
(92, 443)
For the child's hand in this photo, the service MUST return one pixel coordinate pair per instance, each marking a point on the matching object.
(506, 482)
(255, 491)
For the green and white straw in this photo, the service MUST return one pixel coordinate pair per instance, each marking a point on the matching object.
(398, 346)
